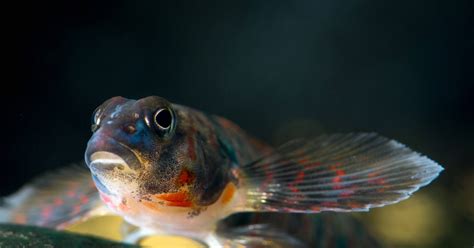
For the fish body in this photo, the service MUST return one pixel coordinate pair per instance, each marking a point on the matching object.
(180, 179)
(176, 170)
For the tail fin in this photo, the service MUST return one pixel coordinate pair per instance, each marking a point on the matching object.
(341, 172)
(52, 200)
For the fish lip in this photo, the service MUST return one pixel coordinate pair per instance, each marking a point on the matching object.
(103, 162)
(104, 154)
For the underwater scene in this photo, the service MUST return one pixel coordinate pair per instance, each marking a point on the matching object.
(239, 124)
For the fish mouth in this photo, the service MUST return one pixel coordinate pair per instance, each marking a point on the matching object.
(102, 162)
(105, 154)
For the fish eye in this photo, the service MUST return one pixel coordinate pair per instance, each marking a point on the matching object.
(163, 118)
(96, 118)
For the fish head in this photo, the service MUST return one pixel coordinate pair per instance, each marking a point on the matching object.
(139, 149)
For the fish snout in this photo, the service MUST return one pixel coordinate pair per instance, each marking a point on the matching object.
(104, 154)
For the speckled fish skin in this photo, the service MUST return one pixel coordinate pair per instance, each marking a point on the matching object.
(174, 169)
(187, 166)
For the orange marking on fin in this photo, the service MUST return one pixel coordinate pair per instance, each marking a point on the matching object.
(293, 188)
(315, 208)
(20, 219)
(179, 204)
(337, 180)
(58, 201)
(179, 199)
(84, 199)
(174, 197)
(299, 177)
(228, 193)
(355, 205)
(151, 205)
(46, 212)
(379, 181)
(303, 161)
(372, 174)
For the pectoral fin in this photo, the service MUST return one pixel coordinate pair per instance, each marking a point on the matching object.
(54, 200)
(341, 172)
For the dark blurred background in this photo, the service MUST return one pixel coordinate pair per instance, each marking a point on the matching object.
(280, 69)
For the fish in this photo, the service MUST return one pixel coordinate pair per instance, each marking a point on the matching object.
(172, 169)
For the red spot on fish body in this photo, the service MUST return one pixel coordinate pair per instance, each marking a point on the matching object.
(185, 177)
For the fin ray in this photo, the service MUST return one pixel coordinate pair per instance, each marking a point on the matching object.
(340, 172)
(55, 199)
